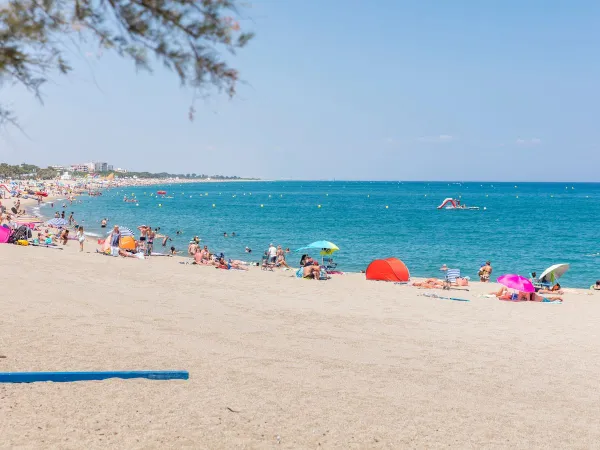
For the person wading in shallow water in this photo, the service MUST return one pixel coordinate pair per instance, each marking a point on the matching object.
(485, 272)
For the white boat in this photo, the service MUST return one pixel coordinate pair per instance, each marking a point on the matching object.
(452, 203)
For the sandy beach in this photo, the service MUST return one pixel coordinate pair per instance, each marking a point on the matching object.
(280, 361)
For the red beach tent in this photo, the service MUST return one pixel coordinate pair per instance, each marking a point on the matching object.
(390, 269)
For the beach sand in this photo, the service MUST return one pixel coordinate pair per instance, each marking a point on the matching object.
(281, 362)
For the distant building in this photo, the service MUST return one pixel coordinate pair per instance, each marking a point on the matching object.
(59, 168)
(101, 167)
(119, 170)
(91, 167)
(109, 168)
(80, 168)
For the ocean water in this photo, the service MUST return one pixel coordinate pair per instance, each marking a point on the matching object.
(524, 227)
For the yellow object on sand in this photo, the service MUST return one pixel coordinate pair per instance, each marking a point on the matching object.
(22, 242)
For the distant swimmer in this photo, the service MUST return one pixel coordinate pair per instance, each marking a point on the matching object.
(103, 223)
(248, 250)
(233, 234)
(224, 234)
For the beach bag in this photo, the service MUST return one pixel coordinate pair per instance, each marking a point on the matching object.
(21, 234)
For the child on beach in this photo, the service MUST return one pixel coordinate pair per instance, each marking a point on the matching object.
(80, 238)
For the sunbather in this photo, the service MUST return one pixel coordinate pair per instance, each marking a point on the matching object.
(502, 293)
(312, 270)
(534, 297)
(429, 283)
(553, 290)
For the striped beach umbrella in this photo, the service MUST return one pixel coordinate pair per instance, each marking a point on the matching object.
(124, 231)
(57, 222)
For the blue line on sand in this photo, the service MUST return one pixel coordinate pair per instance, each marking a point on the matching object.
(61, 377)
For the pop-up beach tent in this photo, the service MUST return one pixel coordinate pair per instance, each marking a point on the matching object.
(127, 243)
(390, 269)
(4, 235)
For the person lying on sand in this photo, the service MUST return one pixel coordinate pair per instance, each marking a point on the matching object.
(551, 291)
(502, 293)
(534, 297)
(429, 283)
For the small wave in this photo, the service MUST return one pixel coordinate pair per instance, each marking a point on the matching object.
(92, 234)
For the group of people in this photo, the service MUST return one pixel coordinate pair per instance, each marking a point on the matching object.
(504, 294)
(203, 256)
(275, 256)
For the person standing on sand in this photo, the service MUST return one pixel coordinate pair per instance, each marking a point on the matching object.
(485, 272)
(272, 254)
(192, 248)
(80, 238)
(114, 237)
(150, 241)
(71, 218)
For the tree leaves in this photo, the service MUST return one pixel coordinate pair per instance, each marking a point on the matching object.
(186, 36)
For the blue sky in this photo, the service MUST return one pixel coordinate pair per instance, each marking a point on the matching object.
(378, 90)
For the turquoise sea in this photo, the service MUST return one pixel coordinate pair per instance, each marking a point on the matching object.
(524, 226)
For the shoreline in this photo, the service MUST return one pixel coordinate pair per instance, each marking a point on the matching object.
(31, 208)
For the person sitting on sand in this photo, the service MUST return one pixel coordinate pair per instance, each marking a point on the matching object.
(205, 254)
(311, 270)
(173, 251)
(198, 258)
(596, 287)
(485, 272)
(63, 237)
(281, 261)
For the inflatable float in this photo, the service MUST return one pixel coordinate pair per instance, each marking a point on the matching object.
(452, 203)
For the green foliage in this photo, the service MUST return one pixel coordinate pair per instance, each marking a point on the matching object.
(26, 171)
(179, 175)
(186, 36)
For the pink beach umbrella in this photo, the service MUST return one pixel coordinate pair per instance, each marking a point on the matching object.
(517, 282)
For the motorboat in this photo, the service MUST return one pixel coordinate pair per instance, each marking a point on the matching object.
(453, 203)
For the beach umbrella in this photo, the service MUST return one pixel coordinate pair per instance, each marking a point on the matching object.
(326, 247)
(553, 273)
(517, 282)
(58, 222)
(124, 231)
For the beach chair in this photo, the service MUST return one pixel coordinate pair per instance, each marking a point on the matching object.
(537, 284)
(329, 264)
(266, 264)
(451, 276)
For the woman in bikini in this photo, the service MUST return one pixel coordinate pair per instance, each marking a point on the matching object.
(485, 272)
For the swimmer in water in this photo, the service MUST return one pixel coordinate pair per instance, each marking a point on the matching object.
(224, 234)
(248, 250)
(233, 234)
(103, 223)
